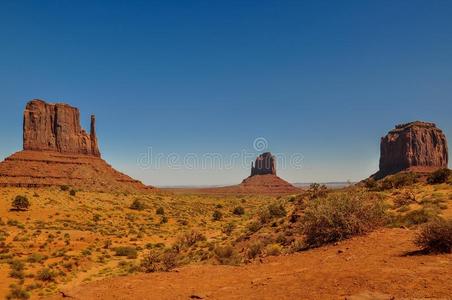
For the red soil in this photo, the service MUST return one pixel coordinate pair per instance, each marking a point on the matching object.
(371, 267)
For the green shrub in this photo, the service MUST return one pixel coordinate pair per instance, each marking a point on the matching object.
(130, 252)
(419, 216)
(64, 188)
(137, 204)
(238, 211)
(20, 203)
(17, 292)
(341, 216)
(435, 237)
(274, 210)
(46, 275)
(439, 176)
(398, 180)
(217, 215)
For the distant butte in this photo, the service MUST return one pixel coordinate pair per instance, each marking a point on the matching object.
(57, 152)
(417, 146)
(263, 177)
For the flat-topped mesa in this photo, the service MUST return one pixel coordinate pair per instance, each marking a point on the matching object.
(265, 164)
(415, 146)
(56, 127)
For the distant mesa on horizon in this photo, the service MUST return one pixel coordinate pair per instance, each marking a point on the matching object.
(418, 147)
(58, 152)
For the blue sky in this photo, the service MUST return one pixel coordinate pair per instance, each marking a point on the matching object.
(325, 79)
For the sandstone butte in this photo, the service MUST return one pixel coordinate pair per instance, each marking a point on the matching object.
(418, 147)
(263, 177)
(58, 152)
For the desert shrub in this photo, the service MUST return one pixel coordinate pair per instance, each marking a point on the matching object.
(217, 215)
(273, 250)
(370, 184)
(20, 203)
(160, 211)
(164, 220)
(228, 228)
(317, 190)
(46, 275)
(17, 269)
(188, 239)
(404, 199)
(154, 261)
(150, 262)
(64, 188)
(277, 210)
(341, 216)
(17, 292)
(36, 258)
(254, 227)
(130, 252)
(73, 193)
(439, 176)
(274, 210)
(398, 180)
(435, 237)
(419, 216)
(137, 204)
(254, 250)
(238, 211)
(227, 255)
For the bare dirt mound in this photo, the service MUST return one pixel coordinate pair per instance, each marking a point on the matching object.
(43, 169)
(371, 267)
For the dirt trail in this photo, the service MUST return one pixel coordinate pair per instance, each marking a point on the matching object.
(370, 267)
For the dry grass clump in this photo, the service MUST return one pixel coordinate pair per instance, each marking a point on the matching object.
(129, 252)
(227, 255)
(435, 237)
(341, 216)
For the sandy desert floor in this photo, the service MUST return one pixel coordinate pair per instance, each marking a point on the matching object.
(377, 266)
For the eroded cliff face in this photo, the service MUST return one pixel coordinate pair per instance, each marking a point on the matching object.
(265, 164)
(56, 127)
(416, 145)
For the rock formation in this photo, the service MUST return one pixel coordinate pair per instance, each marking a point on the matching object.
(263, 178)
(416, 147)
(57, 152)
(265, 164)
(56, 127)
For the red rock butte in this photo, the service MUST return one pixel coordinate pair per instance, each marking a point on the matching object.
(418, 147)
(57, 152)
(263, 177)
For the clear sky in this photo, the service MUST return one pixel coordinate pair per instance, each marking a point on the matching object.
(325, 79)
